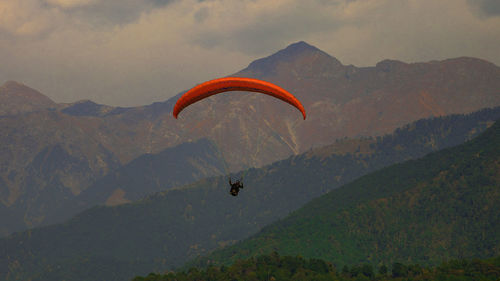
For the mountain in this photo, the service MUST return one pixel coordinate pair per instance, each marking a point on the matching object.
(251, 130)
(45, 160)
(152, 173)
(16, 98)
(87, 108)
(165, 230)
(442, 206)
(54, 168)
(307, 61)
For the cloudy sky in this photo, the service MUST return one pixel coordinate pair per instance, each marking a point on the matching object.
(135, 52)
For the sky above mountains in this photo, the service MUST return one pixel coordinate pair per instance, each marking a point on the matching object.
(134, 52)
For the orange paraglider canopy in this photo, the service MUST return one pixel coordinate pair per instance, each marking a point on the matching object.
(227, 84)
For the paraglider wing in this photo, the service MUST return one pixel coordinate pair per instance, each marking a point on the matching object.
(226, 84)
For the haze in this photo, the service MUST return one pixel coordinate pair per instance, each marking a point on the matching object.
(135, 52)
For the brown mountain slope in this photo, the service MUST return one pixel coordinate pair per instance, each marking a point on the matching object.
(349, 101)
(16, 98)
(340, 101)
(26, 136)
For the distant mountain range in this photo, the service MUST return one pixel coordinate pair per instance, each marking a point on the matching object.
(167, 229)
(443, 206)
(47, 200)
(250, 129)
(145, 175)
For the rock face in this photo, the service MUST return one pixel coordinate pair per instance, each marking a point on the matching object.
(349, 101)
(90, 140)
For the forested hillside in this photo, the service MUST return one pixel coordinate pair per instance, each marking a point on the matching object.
(442, 206)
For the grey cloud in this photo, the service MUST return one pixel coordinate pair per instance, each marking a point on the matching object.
(268, 32)
(489, 8)
(201, 14)
(115, 11)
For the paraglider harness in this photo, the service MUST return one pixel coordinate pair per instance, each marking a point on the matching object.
(235, 187)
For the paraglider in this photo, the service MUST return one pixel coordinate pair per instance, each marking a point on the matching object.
(235, 187)
(227, 84)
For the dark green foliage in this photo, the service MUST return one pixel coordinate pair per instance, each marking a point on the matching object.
(442, 206)
(367, 270)
(399, 270)
(317, 265)
(345, 270)
(382, 270)
(267, 267)
(274, 267)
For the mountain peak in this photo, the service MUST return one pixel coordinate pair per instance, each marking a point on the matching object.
(390, 65)
(86, 108)
(299, 47)
(17, 98)
(11, 83)
(299, 53)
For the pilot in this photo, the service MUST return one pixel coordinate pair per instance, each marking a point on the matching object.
(235, 187)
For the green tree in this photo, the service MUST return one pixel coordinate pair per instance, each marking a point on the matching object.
(367, 270)
(318, 265)
(399, 270)
(345, 270)
(382, 270)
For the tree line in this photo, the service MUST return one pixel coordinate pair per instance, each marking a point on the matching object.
(276, 267)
